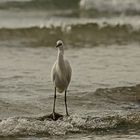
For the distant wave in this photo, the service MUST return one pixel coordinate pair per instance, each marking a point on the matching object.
(2, 1)
(102, 6)
(39, 4)
(111, 5)
(90, 34)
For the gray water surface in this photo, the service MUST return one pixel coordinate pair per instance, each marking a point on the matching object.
(25, 82)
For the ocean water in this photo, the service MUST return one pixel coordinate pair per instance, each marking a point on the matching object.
(102, 43)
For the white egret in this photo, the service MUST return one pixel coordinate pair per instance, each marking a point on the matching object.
(61, 74)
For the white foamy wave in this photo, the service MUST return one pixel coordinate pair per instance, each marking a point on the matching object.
(111, 5)
(21, 126)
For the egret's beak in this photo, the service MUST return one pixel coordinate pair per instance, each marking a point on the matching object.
(58, 45)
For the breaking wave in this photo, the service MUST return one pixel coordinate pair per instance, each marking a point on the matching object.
(21, 126)
(89, 34)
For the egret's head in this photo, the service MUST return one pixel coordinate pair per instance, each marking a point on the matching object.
(59, 44)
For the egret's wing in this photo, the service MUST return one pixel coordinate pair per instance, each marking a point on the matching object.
(69, 70)
(53, 72)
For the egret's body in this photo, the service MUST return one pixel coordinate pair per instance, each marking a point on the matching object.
(61, 74)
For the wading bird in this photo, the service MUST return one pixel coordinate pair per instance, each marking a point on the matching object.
(61, 75)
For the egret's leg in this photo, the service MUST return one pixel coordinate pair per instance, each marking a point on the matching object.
(66, 103)
(54, 103)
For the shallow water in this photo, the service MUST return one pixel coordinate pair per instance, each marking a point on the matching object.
(26, 88)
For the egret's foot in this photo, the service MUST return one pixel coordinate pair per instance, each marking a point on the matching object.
(53, 116)
(67, 115)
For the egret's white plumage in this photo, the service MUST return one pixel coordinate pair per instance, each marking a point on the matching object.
(61, 73)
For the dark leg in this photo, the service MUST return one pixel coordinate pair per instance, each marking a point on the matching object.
(66, 103)
(54, 103)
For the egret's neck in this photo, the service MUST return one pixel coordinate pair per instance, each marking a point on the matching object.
(60, 59)
(60, 56)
